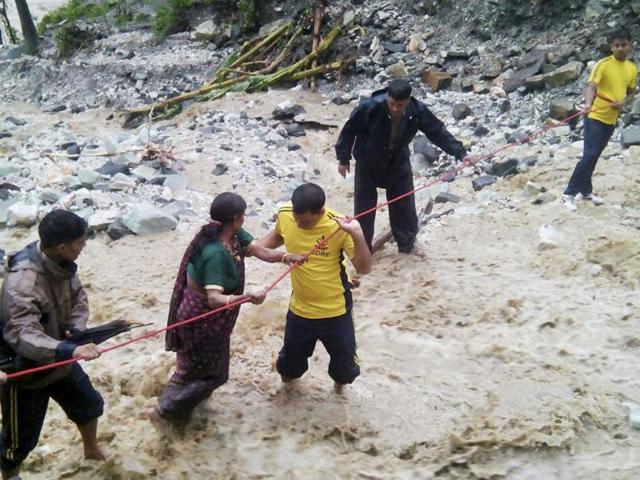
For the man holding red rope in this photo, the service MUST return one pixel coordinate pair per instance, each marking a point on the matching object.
(321, 303)
(378, 134)
(610, 88)
(43, 302)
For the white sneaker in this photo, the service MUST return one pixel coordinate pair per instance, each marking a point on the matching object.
(569, 201)
(593, 199)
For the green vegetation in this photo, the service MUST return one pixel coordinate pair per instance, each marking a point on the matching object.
(75, 10)
(246, 14)
(69, 38)
(173, 17)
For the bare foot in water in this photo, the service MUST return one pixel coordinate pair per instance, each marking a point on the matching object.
(95, 453)
(338, 388)
(154, 417)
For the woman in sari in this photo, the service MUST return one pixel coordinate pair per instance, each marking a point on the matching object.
(211, 275)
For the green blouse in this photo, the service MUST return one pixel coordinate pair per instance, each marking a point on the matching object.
(216, 267)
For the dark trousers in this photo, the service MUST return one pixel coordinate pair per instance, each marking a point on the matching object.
(397, 179)
(596, 137)
(336, 334)
(23, 412)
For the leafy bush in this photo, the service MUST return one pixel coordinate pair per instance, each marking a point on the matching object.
(73, 10)
(173, 17)
(71, 37)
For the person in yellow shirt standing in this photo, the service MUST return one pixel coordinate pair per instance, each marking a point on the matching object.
(611, 87)
(320, 305)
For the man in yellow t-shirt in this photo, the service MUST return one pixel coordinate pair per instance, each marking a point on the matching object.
(320, 305)
(611, 87)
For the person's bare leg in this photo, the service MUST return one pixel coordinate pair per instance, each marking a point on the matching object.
(156, 420)
(89, 433)
(338, 388)
(7, 474)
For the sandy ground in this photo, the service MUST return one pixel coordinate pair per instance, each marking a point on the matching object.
(493, 357)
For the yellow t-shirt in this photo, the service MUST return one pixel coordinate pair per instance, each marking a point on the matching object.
(614, 78)
(320, 287)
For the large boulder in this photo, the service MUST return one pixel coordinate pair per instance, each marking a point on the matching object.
(630, 136)
(529, 65)
(146, 218)
(563, 75)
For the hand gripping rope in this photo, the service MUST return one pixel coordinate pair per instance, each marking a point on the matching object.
(444, 177)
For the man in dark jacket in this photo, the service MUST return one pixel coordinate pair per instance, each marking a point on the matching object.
(381, 127)
(42, 303)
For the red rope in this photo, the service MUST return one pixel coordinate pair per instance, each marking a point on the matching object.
(446, 176)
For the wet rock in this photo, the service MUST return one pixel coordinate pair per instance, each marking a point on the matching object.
(56, 108)
(4, 209)
(458, 54)
(480, 131)
(630, 136)
(7, 189)
(504, 168)
(528, 66)
(144, 173)
(561, 109)
(287, 110)
(111, 168)
(483, 181)
(396, 70)
(437, 79)
(205, 31)
(295, 130)
(532, 189)
(7, 168)
(121, 182)
(546, 197)
(461, 111)
(176, 182)
(178, 209)
(423, 146)
(481, 87)
(50, 195)
(292, 147)
(563, 75)
(393, 47)
(101, 220)
(445, 197)
(145, 218)
(88, 177)
(18, 122)
(5, 134)
(117, 230)
(348, 17)
(21, 214)
(220, 169)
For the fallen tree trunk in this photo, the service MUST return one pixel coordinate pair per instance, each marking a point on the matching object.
(247, 81)
(423, 218)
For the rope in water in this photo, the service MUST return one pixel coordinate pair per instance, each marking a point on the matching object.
(444, 177)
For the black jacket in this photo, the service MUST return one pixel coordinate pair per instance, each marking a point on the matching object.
(369, 126)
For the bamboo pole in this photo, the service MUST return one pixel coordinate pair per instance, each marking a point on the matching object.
(317, 21)
(221, 75)
(247, 82)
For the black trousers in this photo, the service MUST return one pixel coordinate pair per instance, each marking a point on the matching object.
(397, 179)
(336, 334)
(23, 412)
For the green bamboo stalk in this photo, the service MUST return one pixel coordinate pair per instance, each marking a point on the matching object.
(221, 74)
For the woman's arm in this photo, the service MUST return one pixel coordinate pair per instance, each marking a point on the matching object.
(217, 298)
(258, 250)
